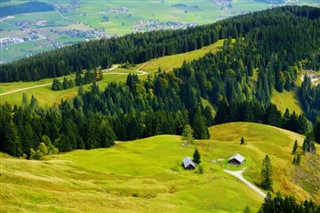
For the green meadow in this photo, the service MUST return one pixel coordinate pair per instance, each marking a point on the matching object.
(146, 175)
(167, 63)
(286, 100)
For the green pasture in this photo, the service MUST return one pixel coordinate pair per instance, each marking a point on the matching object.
(167, 63)
(286, 100)
(146, 175)
(48, 97)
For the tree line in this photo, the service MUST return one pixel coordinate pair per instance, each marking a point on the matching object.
(90, 76)
(286, 204)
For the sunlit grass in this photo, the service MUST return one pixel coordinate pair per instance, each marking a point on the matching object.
(146, 175)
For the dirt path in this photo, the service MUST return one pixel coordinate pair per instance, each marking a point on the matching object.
(47, 84)
(238, 174)
(106, 72)
(27, 88)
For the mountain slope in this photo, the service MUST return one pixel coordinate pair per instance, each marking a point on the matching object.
(146, 175)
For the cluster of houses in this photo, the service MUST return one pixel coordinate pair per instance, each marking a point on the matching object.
(235, 160)
(67, 8)
(153, 24)
(92, 33)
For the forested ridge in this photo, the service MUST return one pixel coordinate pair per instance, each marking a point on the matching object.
(276, 44)
(29, 7)
(295, 23)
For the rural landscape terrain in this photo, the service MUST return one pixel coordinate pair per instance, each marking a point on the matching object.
(160, 106)
(60, 23)
(146, 175)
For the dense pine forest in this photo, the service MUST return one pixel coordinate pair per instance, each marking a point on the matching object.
(275, 44)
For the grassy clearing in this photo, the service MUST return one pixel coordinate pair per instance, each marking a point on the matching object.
(286, 100)
(167, 63)
(46, 96)
(146, 176)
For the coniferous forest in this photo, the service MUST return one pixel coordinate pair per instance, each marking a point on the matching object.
(275, 44)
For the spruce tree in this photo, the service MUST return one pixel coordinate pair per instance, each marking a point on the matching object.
(187, 134)
(266, 174)
(247, 210)
(295, 147)
(316, 130)
(308, 144)
(242, 141)
(199, 125)
(12, 143)
(298, 160)
(196, 156)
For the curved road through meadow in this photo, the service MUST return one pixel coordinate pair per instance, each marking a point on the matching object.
(238, 174)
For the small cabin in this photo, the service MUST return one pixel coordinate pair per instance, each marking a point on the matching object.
(236, 160)
(188, 164)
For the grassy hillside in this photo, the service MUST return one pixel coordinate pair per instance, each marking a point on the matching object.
(167, 63)
(146, 176)
(277, 143)
(286, 100)
(46, 96)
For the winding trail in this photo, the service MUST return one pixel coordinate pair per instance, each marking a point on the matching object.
(106, 72)
(238, 174)
(26, 88)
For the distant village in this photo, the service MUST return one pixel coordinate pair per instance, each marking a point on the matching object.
(152, 24)
(93, 33)
(67, 8)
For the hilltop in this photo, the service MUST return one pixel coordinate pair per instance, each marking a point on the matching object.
(146, 176)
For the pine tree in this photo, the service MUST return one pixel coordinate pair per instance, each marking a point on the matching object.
(25, 100)
(316, 130)
(43, 148)
(266, 174)
(247, 210)
(199, 125)
(187, 134)
(196, 156)
(12, 144)
(298, 160)
(242, 141)
(295, 147)
(308, 144)
(294, 161)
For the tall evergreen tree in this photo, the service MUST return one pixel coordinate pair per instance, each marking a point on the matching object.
(199, 125)
(308, 144)
(266, 174)
(316, 130)
(242, 141)
(187, 134)
(196, 156)
(295, 147)
(12, 144)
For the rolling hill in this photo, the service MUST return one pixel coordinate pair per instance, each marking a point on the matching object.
(146, 176)
(42, 91)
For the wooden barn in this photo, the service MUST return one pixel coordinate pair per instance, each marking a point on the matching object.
(188, 164)
(236, 159)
